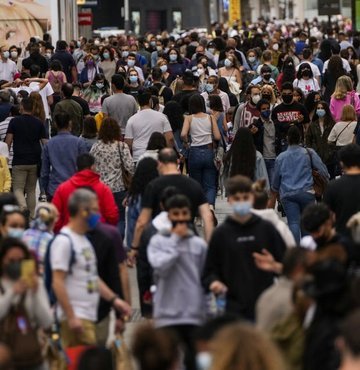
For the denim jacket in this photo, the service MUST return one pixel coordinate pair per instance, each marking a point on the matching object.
(293, 172)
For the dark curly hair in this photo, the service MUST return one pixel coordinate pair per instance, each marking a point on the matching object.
(242, 155)
(146, 170)
(109, 130)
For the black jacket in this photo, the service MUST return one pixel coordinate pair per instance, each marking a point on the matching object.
(230, 261)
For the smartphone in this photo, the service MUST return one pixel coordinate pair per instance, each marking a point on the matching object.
(28, 271)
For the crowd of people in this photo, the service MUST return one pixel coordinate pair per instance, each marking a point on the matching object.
(113, 154)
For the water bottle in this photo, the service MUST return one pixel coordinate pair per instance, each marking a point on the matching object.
(220, 304)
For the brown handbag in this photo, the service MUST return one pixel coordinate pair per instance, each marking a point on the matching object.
(320, 182)
(125, 173)
(18, 334)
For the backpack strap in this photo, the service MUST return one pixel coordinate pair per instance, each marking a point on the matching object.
(161, 90)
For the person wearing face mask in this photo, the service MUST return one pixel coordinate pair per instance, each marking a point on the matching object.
(108, 62)
(134, 86)
(177, 258)
(318, 133)
(8, 67)
(266, 136)
(254, 63)
(12, 222)
(305, 79)
(212, 88)
(15, 53)
(176, 66)
(130, 63)
(289, 113)
(92, 95)
(266, 79)
(293, 181)
(30, 298)
(157, 53)
(203, 75)
(231, 72)
(78, 292)
(91, 69)
(246, 113)
(165, 93)
(230, 266)
(267, 58)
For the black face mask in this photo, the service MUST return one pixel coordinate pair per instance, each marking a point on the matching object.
(13, 270)
(174, 223)
(306, 74)
(287, 99)
(321, 241)
(266, 96)
(267, 76)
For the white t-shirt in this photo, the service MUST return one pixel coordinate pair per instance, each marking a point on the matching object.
(314, 68)
(82, 283)
(140, 127)
(345, 64)
(45, 92)
(307, 86)
(25, 88)
(7, 70)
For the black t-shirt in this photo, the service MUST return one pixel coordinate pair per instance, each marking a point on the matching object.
(107, 266)
(166, 92)
(183, 98)
(184, 184)
(27, 132)
(83, 103)
(39, 60)
(67, 62)
(284, 115)
(343, 198)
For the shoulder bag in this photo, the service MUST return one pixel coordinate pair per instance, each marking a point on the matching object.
(18, 334)
(320, 181)
(125, 173)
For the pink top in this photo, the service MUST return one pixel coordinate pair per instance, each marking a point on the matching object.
(336, 105)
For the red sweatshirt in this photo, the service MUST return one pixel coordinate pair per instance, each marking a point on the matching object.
(108, 209)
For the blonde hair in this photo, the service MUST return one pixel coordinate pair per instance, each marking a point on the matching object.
(348, 113)
(242, 347)
(269, 88)
(343, 86)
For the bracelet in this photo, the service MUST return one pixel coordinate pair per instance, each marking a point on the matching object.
(112, 300)
(134, 248)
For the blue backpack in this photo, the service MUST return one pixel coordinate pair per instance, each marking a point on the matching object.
(48, 270)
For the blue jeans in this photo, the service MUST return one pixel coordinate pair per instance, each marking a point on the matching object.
(202, 169)
(270, 165)
(119, 198)
(293, 206)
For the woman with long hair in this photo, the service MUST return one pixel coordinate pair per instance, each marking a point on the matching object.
(287, 74)
(311, 101)
(111, 156)
(156, 143)
(203, 129)
(98, 87)
(317, 135)
(89, 133)
(134, 84)
(305, 79)
(108, 61)
(333, 72)
(224, 86)
(231, 70)
(244, 159)
(38, 106)
(344, 94)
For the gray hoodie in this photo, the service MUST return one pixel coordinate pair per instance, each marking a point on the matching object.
(178, 264)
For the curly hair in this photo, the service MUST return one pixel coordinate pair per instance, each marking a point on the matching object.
(109, 131)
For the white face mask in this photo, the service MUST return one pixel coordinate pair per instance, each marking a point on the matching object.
(200, 71)
(256, 98)
(203, 360)
(14, 54)
(275, 47)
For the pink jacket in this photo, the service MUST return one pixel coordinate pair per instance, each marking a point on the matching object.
(336, 105)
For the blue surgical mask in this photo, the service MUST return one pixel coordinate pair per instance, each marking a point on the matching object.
(15, 232)
(173, 57)
(133, 78)
(320, 112)
(266, 113)
(93, 219)
(106, 55)
(153, 43)
(124, 54)
(209, 88)
(163, 68)
(203, 360)
(242, 208)
(252, 59)
(131, 63)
